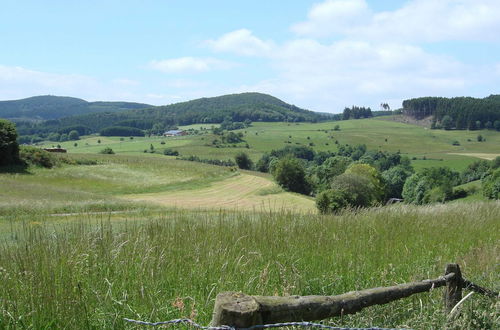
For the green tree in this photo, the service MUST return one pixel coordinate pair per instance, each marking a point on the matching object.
(447, 122)
(243, 161)
(73, 135)
(63, 137)
(358, 190)
(290, 174)
(331, 201)
(371, 173)
(395, 178)
(9, 149)
(491, 185)
(56, 137)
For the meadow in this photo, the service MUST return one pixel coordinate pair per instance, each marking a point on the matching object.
(145, 236)
(425, 147)
(91, 271)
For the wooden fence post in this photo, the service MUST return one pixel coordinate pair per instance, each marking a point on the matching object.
(453, 291)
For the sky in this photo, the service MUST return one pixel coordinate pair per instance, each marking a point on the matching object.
(318, 55)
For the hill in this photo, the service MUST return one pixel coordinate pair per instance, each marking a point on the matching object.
(53, 107)
(461, 112)
(236, 107)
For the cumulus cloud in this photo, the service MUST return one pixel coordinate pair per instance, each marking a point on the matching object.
(417, 20)
(241, 42)
(332, 17)
(190, 65)
(343, 73)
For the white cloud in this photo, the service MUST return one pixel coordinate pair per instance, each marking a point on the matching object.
(17, 82)
(332, 17)
(415, 21)
(330, 77)
(241, 42)
(190, 65)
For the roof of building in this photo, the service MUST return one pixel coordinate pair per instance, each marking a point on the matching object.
(174, 131)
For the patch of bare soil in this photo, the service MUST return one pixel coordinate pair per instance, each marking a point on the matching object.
(426, 122)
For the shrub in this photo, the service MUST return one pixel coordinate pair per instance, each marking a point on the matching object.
(479, 138)
(170, 152)
(37, 157)
(243, 161)
(107, 151)
(331, 201)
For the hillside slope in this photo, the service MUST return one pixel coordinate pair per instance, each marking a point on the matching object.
(237, 107)
(53, 107)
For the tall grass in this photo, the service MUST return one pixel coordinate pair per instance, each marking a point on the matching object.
(93, 272)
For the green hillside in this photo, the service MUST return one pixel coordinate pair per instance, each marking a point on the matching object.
(54, 107)
(237, 107)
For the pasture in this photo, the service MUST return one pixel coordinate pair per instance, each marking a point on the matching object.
(426, 147)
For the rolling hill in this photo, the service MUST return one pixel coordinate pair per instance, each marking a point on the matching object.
(237, 107)
(53, 107)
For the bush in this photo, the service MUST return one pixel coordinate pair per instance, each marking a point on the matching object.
(107, 151)
(331, 201)
(9, 149)
(170, 152)
(243, 161)
(37, 157)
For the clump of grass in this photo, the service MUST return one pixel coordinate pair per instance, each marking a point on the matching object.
(92, 272)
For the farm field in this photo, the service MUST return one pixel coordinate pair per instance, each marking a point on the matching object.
(117, 180)
(91, 271)
(428, 147)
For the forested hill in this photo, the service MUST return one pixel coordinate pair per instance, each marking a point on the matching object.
(462, 112)
(236, 107)
(54, 107)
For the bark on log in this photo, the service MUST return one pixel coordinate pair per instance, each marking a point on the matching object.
(242, 311)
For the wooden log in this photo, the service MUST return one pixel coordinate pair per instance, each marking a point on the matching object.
(242, 311)
(453, 292)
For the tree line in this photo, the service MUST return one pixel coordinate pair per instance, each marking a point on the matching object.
(456, 113)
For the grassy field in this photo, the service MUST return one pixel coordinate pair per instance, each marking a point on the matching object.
(247, 191)
(92, 272)
(116, 181)
(429, 147)
(145, 236)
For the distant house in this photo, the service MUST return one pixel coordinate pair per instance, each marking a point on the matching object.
(175, 132)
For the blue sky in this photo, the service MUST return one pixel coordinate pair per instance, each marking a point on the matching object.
(320, 55)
